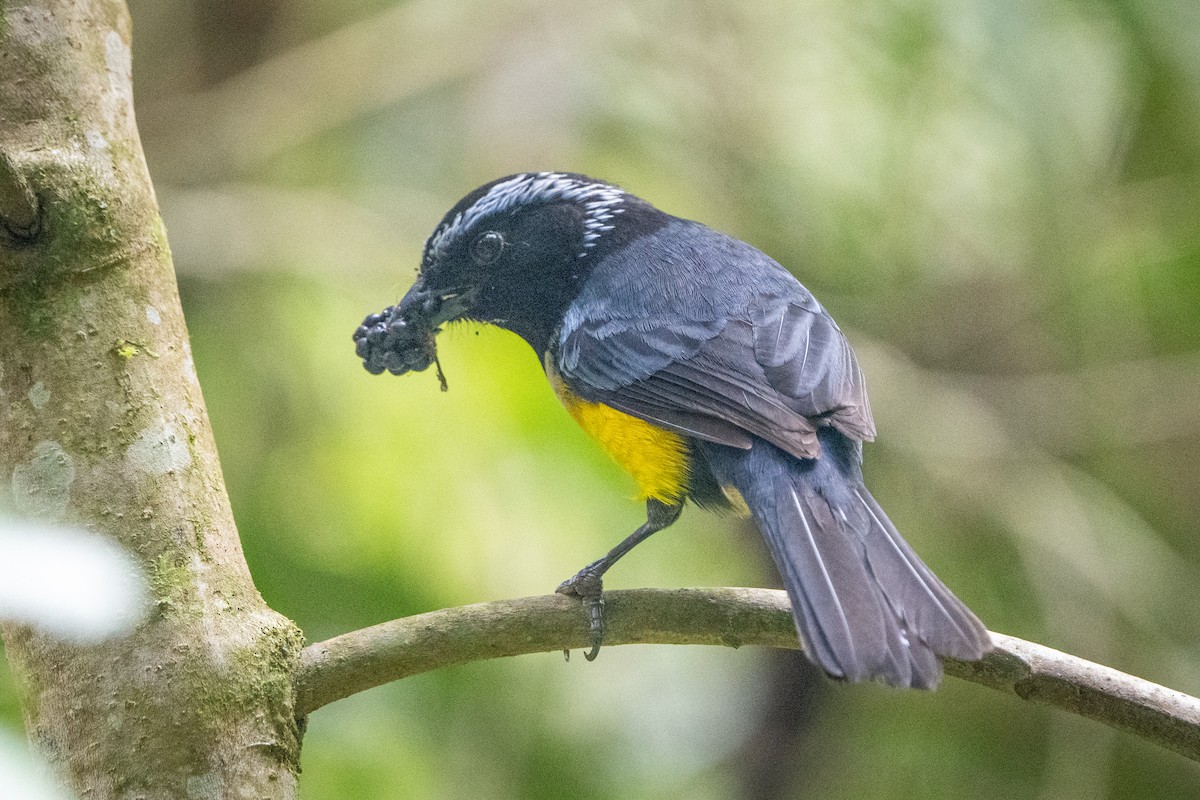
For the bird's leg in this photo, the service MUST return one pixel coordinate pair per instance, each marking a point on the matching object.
(588, 583)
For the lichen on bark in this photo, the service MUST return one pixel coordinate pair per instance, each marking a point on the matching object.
(103, 427)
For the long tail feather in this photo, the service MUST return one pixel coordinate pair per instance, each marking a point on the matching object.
(866, 606)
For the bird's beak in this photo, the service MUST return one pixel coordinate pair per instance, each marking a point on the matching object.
(430, 309)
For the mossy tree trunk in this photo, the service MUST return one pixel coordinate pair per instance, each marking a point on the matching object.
(102, 426)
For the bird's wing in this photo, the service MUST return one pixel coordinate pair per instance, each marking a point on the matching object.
(775, 367)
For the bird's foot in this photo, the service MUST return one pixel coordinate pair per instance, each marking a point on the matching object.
(588, 586)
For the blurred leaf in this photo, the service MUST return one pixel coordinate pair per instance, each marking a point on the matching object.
(19, 777)
(70, 584)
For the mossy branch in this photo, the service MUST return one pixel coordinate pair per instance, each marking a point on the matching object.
(373, 656)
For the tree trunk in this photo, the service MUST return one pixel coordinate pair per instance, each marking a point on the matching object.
(102, 426)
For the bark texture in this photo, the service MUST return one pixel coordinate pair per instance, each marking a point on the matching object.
(102, 426)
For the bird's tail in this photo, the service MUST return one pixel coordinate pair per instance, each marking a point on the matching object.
(866, 607)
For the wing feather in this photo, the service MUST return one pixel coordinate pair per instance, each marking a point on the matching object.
(759, 356)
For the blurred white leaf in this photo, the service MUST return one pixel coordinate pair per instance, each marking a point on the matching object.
(71, 584)
(19, 778)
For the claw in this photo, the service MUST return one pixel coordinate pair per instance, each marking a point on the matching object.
(587, 584)
(595, 609)
(588, 587)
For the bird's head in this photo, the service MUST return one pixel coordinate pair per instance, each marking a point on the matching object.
(512, 253)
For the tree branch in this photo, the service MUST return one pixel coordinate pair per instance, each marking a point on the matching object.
(373, 656)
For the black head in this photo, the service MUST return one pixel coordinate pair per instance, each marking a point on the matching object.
(512, 253)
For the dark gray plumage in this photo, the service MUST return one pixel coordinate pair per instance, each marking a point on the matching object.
(707, 336)
(703, 335)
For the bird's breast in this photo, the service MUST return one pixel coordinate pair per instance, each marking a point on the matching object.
(656, 458)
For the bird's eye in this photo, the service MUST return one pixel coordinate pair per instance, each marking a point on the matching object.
(487, 248)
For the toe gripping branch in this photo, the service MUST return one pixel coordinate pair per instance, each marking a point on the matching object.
(588, 583)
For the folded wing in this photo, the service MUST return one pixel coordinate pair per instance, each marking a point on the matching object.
(776, 368)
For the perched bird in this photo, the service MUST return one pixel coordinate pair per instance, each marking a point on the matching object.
(711, 374)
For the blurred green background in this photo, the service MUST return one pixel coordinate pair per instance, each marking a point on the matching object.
(996, 199)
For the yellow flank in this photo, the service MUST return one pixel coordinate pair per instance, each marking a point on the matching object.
(735, 500)
(656, 458)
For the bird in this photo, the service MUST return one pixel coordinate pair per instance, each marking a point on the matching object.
(712, 375)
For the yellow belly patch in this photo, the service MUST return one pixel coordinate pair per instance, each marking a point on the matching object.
(656, 458)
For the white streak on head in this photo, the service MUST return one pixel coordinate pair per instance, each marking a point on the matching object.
(599, 201)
